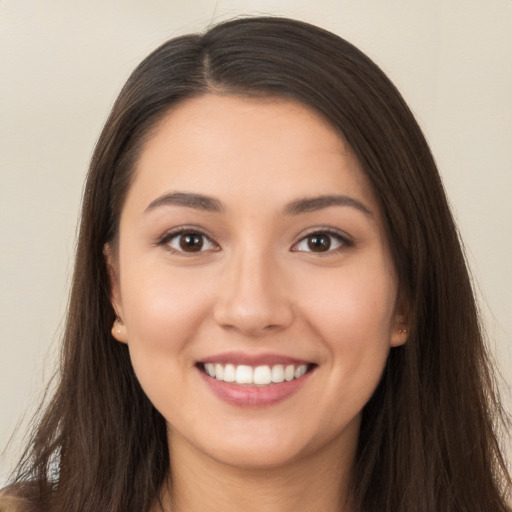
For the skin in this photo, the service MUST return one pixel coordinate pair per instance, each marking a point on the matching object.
(256, 286)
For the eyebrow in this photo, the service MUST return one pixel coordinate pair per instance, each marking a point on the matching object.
(210, 204)
(318, 203)
(189, 200)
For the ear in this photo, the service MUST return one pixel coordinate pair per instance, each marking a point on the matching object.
(118, 329)
(400, 332)
(400, 327)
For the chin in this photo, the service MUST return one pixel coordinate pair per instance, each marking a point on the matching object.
(260, 456)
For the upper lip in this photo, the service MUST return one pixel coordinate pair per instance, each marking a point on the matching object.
(241, 358)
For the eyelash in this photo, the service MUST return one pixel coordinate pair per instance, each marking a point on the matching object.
(342, 240)
(191, 231)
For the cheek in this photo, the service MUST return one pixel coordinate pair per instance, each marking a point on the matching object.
(353, 306)
(163, 307)
(353, 317)
(163, 311)
(356, 336)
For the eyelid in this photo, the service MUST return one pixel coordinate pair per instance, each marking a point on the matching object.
(345, 240)
(182, 230)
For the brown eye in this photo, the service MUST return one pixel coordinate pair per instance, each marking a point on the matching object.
(322, 241)
(319, 243)
(189, 242)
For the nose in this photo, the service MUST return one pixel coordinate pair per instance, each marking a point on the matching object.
(253, 297)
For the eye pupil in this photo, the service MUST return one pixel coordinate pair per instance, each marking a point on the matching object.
(319, 243)
(191, 242)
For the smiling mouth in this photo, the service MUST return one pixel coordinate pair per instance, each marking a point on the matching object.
(260, 376)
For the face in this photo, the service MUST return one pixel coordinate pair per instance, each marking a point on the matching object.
(254, 282)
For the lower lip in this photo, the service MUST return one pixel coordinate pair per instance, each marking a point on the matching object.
(255, 396)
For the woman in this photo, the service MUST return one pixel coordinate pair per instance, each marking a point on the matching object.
(270, 307)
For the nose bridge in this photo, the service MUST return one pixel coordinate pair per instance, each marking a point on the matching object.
(252, 296)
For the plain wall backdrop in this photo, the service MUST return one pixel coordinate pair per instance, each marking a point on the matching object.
(62, 64)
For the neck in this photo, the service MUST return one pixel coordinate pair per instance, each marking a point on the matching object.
(202, 484)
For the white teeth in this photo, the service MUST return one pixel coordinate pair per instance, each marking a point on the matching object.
(262, 375)
(289, 373)
(219, 372)
(229, 373)
(300, 370)
(243, 375)
(278, 373)
(210, 369)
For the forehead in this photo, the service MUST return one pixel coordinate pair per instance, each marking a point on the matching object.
(235, 147)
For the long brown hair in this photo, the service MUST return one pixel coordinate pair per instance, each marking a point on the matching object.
(428, 438)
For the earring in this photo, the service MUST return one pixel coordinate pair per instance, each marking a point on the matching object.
(402, 331)
(117, 326)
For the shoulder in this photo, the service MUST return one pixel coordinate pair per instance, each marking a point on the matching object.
(16, 498)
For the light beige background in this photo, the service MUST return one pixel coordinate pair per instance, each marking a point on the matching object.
(63, 62)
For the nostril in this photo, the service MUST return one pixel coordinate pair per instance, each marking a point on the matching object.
(254, 318)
